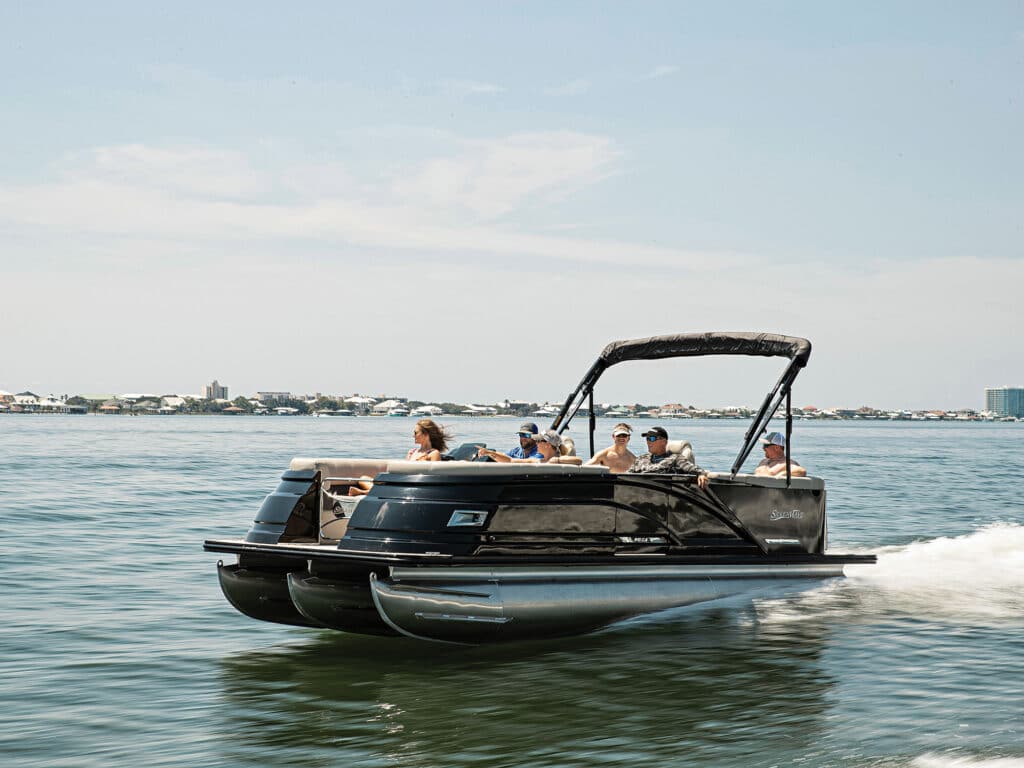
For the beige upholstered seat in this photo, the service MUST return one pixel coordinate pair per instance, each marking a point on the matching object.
(682, 447)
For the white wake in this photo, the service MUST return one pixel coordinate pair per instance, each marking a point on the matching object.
(977, 577)
(955, 761)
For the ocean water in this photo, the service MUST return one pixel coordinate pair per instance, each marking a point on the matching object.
(117, 647)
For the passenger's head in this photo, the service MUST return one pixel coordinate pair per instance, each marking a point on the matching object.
(527, 435)
(548, 443)
(621, 433)
(774, 444)
(657, 440)
(438, 436)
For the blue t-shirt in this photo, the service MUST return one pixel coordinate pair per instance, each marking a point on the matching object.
(519, 453)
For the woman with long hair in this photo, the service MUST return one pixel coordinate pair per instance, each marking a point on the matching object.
(431, 441)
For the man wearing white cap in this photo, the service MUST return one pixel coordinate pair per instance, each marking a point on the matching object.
(617, 457)
(774, 462)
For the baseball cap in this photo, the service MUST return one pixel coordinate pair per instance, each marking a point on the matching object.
(656, 432)
(774, 438)
(528, 426)
(550, 436)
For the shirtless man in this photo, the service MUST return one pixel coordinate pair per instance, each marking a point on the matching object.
(616, 457)
(774, 462)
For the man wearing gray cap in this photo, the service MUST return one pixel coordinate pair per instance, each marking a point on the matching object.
(548, 446)
(774, 462)
(658, 459)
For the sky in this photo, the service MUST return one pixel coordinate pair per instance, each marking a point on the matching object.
(466, 201)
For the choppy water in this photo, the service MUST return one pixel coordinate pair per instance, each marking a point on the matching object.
(117, 648)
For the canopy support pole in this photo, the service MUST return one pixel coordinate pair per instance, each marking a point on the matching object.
(593, 422)
(789, 432)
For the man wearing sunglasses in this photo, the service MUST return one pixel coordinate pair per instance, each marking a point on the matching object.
(527, 448)
(658, 459)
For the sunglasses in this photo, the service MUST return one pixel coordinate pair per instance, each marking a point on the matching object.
(652, 438)
(528, 435)
(621, 435)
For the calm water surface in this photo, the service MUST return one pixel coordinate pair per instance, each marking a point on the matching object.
(117, 648)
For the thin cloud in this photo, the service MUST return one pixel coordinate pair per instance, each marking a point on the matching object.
(663, 70)
(469, 88)
(494, 177)
(444, 206)
(571, 88)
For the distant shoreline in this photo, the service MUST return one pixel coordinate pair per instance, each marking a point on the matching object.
(915, 418)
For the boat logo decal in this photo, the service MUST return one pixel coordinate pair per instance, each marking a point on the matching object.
(794, 514)
(467, 517)
(641, 539)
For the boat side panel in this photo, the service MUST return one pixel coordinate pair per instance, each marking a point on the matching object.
(784, 519)
(547, 515)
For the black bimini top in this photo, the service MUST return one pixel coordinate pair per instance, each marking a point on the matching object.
(797, 349)
(695, 344)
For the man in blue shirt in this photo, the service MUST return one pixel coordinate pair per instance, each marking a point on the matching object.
(527, 448)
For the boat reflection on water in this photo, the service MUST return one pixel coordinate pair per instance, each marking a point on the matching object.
(701, 686)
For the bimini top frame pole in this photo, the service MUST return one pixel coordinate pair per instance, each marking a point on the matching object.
(798, 351)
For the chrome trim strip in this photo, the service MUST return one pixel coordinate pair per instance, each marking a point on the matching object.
(615, 573)
(468, 619)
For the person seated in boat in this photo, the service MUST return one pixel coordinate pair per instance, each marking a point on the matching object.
(617, 457)
(549, 451)
(658, 459)
(431, 440)
(527, 448)
(774, 462)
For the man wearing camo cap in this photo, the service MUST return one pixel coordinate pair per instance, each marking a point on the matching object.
(658, 459)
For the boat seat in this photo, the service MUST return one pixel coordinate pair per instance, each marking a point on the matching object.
(681, 447)
(352, 469)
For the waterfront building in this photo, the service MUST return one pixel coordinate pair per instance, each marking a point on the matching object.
(1005, 401)
(273, 397)
(215, 391)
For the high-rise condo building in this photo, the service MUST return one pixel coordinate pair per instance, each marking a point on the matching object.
(215, 391)
(1005, 401)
